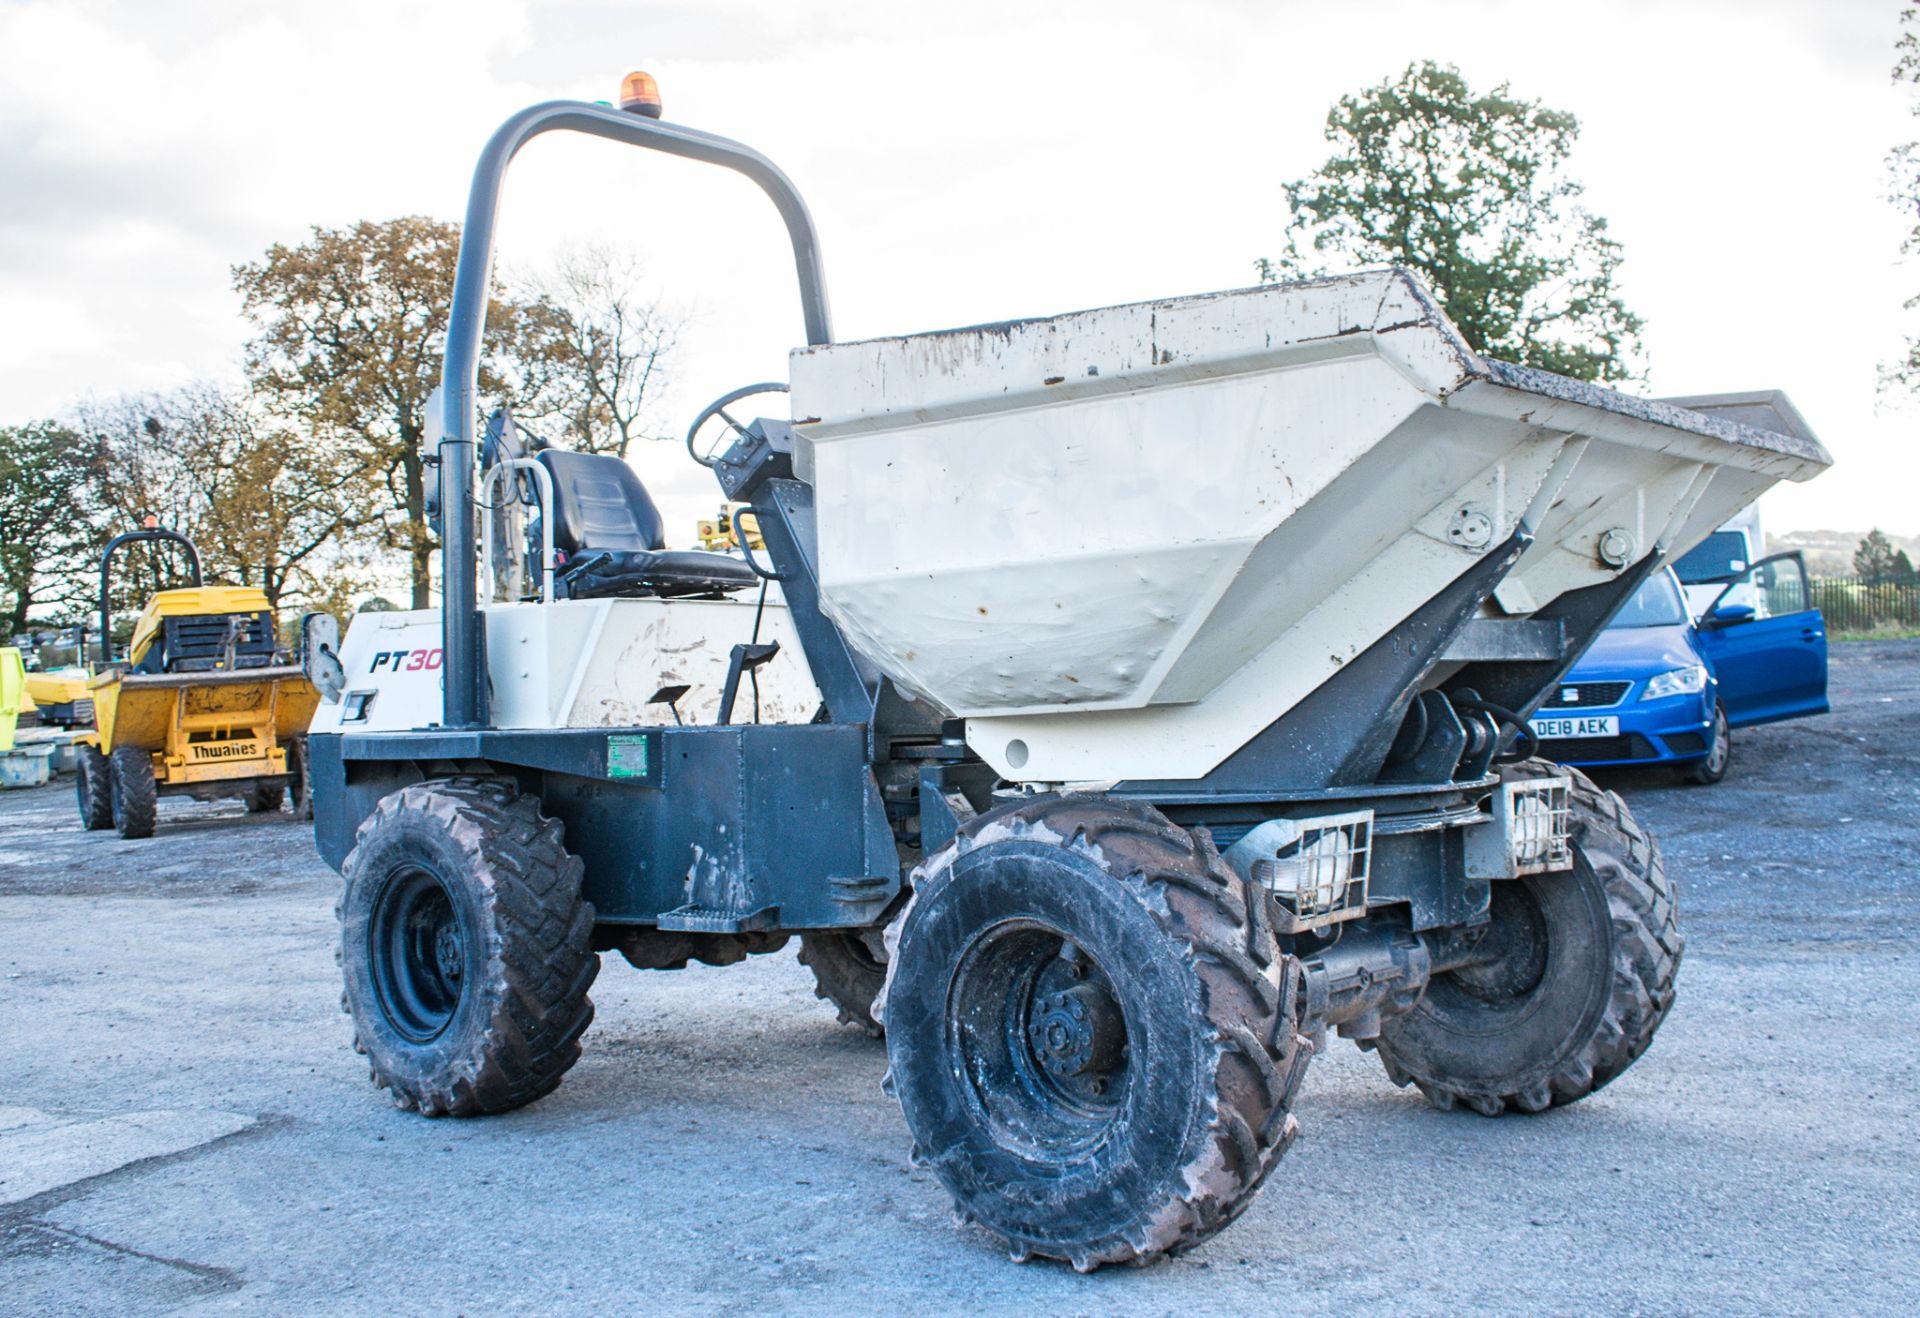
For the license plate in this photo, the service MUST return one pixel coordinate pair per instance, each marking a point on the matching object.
(1589, 725)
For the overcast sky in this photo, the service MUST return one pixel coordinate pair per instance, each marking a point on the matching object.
(964, 162)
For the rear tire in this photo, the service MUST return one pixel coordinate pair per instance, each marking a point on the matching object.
(1586, 978)
(464, 946)
(1092, 1031)
(847, 973)
(265, 798)
(1711, 769)
(134, 800)
(299, 779)
(93, 786)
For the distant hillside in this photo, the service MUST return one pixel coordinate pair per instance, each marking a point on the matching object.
(1830, 553)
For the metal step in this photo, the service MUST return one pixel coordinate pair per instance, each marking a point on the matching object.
(696, 919)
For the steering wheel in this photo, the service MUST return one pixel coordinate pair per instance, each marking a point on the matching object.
(718, 408)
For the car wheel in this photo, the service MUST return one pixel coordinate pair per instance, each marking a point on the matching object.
(1705, 772)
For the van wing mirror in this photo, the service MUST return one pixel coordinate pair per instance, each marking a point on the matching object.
(320, 655)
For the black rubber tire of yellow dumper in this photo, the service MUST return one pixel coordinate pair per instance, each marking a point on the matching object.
(263, 798)
(464, 944)
(93, 785)
(1091, 1030)
(134, 797)
(846, 973)
(300, 779)
(1589, 978)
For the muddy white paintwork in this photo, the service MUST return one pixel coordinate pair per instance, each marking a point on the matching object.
(1121, 542)
(577, 664)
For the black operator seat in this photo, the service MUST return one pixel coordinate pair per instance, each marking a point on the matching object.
(612, 543)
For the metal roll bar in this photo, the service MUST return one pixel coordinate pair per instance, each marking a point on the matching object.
(464, 698)
(151, 533)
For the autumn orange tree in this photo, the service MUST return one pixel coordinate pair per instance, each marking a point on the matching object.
(351, 333)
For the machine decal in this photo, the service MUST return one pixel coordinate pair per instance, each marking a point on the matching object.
(406, 661)
(204, 751)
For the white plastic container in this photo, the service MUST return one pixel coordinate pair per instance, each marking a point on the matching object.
(26, 766)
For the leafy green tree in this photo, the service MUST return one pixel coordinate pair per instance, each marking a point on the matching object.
(47, 519)
(1471, 192)
(1903, 568)
(1873, 558)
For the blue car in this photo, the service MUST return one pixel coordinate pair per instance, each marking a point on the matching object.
(1658, 687)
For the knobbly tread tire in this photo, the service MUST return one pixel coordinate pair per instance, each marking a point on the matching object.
(1647, 947)
(134, 797)
(1246, 988)
(300, 779)
(93, 787)
(517, 1036)
(841, 976)
(264, 798)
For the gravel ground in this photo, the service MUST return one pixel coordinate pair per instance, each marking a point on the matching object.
(184, 1125)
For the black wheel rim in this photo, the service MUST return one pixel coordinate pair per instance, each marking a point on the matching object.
(418, 954)
(1039, 1037)
(1512, 957)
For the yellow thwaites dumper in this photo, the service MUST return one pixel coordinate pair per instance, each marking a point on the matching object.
(202, 704)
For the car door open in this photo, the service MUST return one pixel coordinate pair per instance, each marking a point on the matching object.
(1767, 644)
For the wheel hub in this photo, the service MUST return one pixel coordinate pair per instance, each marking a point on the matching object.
(417, 955)
(1512, 955)
(446, 950)
(1076, 1031)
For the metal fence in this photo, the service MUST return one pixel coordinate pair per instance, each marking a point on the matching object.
(1855, 606)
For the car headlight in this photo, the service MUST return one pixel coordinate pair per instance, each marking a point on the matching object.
(1677, 682)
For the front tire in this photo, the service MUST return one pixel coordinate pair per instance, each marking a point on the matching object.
(464, 946)
(93, 785)
(1580, 977)
(1092, 1031)
(133, 798)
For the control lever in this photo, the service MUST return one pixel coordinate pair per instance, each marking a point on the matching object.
(746, 659)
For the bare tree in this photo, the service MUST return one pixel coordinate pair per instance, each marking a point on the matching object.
(602, 350)
(267, 503)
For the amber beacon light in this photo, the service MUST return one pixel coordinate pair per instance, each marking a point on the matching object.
(640, 94)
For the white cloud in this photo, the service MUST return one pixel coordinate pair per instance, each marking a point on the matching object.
(965, 163)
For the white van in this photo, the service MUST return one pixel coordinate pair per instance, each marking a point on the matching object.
(1736, 546)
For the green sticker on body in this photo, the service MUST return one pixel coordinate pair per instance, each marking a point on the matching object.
(626, 757)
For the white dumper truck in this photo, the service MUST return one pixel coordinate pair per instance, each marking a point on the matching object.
(1140, 695)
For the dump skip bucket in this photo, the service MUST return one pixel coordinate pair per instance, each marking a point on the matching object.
(1121, 542)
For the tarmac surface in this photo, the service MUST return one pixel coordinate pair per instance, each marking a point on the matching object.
(184, 1126)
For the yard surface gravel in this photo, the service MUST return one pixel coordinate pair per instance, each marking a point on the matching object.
(188, 1127)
